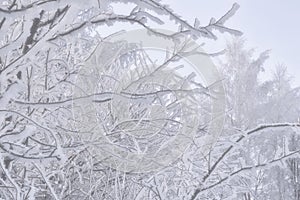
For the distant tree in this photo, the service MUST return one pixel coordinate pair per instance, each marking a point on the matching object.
(251, 156)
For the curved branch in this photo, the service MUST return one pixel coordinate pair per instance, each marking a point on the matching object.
(229, 149)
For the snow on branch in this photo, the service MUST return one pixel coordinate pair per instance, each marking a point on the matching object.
(231, 148)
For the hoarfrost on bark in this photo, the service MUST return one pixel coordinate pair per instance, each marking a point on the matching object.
(139, 103)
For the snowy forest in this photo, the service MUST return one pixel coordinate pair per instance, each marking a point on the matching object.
(100, 101)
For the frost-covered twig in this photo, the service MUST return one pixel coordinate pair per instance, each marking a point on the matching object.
(229, 149)
(268, 164)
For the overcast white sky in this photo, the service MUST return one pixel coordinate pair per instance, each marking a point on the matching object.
(266, 24)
